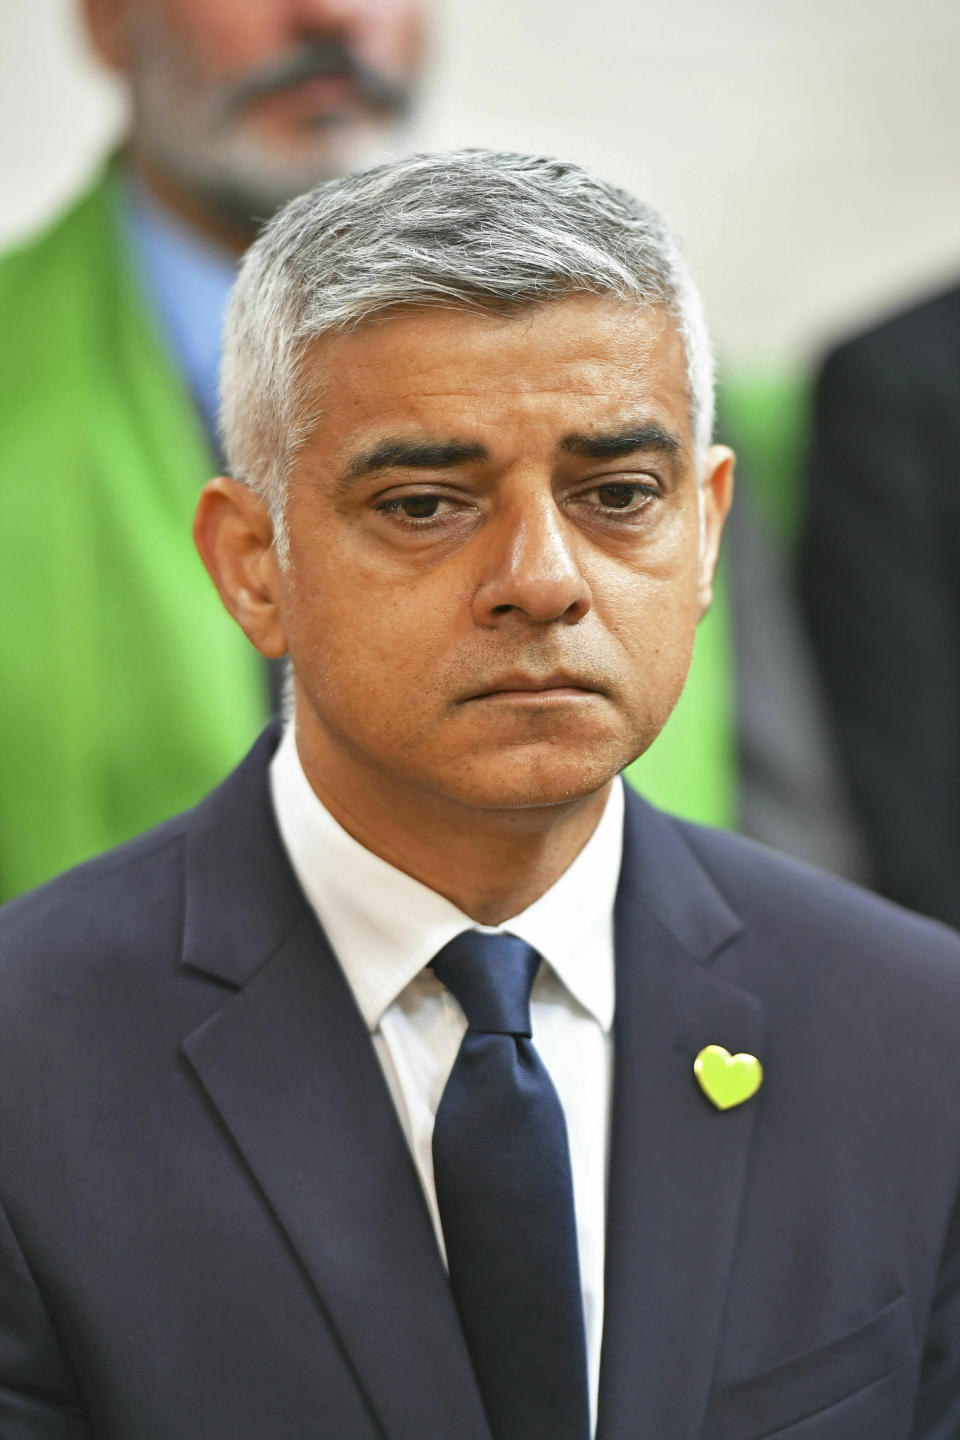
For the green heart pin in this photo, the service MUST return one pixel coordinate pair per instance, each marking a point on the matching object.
(726, 1079)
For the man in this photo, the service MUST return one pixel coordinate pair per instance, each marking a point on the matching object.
(884, 613)
(108, 404)
(289, 1146)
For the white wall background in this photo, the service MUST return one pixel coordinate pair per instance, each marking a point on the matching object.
(806, 149)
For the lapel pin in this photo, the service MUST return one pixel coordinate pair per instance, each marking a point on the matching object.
(727, 1080)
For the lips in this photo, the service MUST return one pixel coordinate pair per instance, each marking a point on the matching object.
(559, 684)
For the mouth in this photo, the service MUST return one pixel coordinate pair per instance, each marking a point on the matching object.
(326, 71)
(535, 689)
(317, 98)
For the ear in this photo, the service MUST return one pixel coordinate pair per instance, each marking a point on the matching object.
(107, 31)
(233, 532)
(717, 495)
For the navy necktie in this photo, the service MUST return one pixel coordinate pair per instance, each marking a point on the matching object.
(502, 1170)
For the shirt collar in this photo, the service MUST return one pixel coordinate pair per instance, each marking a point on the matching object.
(385, 926)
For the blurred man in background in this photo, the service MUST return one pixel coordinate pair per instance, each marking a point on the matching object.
(880, 577)
(108, 403)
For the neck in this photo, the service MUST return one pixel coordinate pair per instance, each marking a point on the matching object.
(491, 864)
(222, 230)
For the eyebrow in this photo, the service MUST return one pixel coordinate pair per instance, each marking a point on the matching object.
(607, 444)
(397, 454)
(412, 455)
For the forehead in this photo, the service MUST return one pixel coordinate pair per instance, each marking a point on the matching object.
(583, 359)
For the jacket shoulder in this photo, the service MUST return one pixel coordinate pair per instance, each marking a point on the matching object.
(826, 920)
(127, 905)
(125, 899)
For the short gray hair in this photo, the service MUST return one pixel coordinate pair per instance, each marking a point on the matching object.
(473, 229)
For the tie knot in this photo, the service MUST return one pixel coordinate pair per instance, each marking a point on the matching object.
(491, 976)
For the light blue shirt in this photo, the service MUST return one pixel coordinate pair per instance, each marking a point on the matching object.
(187, 279)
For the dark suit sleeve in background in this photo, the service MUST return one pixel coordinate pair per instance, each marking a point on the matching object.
(879, 567)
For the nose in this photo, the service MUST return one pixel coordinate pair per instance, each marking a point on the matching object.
(532, 569)
(323, 16)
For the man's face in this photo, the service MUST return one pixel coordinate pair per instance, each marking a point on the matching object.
(497, 560)
(247, 103)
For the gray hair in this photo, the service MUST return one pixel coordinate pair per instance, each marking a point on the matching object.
(474, 230)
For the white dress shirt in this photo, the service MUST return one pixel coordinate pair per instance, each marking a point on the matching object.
(385, 928)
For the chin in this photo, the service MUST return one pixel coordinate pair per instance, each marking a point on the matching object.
(534, 776)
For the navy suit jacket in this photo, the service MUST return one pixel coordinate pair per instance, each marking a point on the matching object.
(211, 1222)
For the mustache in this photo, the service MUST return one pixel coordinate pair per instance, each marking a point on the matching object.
(316, 59)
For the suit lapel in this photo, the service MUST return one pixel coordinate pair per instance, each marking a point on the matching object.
(677, 1165)
(289, 1065)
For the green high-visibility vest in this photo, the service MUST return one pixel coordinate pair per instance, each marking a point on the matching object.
(691, 768)
(126, 691)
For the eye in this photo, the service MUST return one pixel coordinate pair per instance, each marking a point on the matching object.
(419, 510)
(417, 507)
(617, 497)
(625, 497)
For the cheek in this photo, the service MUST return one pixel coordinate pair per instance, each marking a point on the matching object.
(228, 36)
(390, 36)
(367, 648)
(653, 619)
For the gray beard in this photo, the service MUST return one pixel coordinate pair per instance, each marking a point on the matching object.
(199, 135)
(238, 180)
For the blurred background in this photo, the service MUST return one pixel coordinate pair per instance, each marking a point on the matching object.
(806, 150)
(806, 153)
